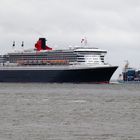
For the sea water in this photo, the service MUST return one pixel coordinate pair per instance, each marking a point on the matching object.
(69, 111)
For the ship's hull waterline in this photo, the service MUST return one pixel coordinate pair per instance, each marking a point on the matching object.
(72, 75)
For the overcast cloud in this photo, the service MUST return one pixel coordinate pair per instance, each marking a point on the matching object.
(113, 25)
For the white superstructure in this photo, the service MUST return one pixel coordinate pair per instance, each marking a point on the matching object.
(77, 55)
(91, 56)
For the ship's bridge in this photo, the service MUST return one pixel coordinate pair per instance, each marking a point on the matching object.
(90, 55)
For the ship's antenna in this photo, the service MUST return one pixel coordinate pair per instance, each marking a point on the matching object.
(84, 42)
(22, 44)
(127, 64)
(13, 44)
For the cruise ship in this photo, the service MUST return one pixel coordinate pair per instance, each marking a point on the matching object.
(43, 64)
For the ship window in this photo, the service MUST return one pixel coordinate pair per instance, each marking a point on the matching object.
(80, 61)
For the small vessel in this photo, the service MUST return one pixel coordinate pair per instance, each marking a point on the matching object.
(129, 75)
(43, 64)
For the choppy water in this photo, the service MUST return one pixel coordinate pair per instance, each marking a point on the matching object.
(69, 112)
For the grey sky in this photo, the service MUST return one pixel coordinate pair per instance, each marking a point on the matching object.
(113, 25)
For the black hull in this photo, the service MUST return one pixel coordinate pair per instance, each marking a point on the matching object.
(86, 75)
